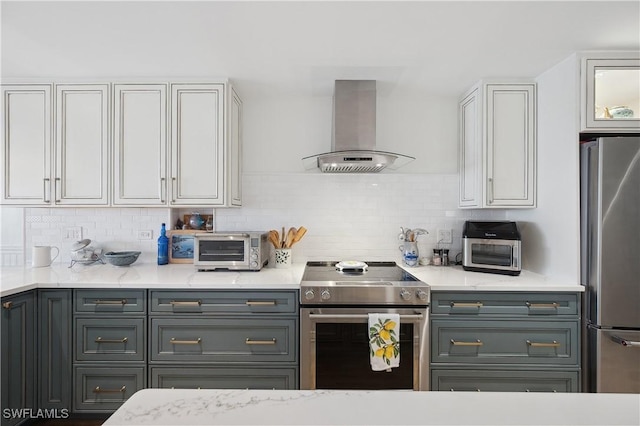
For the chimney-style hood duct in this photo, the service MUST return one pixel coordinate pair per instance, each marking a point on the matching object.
(353, 145)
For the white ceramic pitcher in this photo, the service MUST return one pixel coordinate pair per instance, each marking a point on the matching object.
(41, 256)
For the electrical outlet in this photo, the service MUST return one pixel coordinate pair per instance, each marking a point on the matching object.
(444, 236)
(74, 233)
(145, 235)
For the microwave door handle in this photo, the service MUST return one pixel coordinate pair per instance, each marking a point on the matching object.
(514, 256)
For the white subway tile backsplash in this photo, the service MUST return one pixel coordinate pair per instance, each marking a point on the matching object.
(348, 216)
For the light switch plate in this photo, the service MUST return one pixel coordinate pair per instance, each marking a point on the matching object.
(146, 234)
(73, 233)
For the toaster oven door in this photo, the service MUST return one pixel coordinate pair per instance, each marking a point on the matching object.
(225, 251)
(491, 254)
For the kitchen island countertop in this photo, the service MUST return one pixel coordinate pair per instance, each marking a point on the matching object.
(147, 274)
(324, 407)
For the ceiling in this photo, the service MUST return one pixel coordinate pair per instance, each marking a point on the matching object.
(299, 48)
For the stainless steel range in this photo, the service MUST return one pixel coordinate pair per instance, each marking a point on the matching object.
(336, 299)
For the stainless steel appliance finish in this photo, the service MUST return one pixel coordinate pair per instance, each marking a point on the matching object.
(493, 247)
(334, 324)
(239, 251)
(354, 133)
(610, 266)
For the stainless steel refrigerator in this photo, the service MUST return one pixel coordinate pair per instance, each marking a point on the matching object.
(610, 262)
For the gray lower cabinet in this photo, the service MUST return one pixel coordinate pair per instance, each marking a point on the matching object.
(55, 349)
(223, 339)
(505, 341)
(109, 361)
(18, 368)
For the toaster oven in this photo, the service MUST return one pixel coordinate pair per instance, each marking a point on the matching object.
(493, 247)
(238, 251)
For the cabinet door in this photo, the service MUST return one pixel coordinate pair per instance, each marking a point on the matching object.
(197, 144)
(235, 150)
(140, 144)
(611, 94)
(26, 147)
(54, 355)
(17, 352)
(510, 157)
(470, 116)
(82, 136)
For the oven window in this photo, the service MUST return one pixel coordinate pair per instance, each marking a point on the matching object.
(342, 359)
(490, 254)
(222, 251)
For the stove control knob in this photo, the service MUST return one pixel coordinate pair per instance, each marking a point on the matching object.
(405, 294)
(309, 294)
(422, 295)
(325, 295)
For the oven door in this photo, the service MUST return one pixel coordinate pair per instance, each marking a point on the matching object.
(491, 254)
(222, 251)
(334, 348)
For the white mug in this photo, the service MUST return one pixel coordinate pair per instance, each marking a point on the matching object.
(41, 256)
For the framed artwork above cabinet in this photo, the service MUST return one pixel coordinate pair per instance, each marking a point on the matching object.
(610, 94)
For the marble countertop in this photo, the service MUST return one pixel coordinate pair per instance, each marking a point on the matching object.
(147, 274)
(321, 407)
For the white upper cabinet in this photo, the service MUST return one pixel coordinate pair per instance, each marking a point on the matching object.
(82, 144)
(205, 145)
(497, 132)
(26, 147)
(610, 99)
(140, 144)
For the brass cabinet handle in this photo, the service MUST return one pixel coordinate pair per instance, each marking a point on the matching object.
(7, 305)
(162, 186)
(553, 344)
(110, 302)
(45, 187)
(98, 390)
(56, 190)
(185, 342)
(466, 305)
(186, 303)
(453, 390)
(553, 305)
(173, 189)
(260, 302)
(101, 340)
(458, 343)
(249, 341)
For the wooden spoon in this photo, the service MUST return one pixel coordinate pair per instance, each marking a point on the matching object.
(299, 234)
(291, 233)
(274, 238)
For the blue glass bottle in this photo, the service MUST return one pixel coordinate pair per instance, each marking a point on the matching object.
(163, 246)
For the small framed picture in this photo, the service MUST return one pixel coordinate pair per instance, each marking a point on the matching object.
(181, 246)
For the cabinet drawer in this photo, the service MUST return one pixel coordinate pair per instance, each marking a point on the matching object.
(223, 378)
(223, 340)
(490, 303)
(510, 342)
(106, 388)
(224, 302)
(504, 381)
(110, 301)
(107, 339)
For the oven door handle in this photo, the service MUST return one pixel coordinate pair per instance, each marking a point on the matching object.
(417, 316)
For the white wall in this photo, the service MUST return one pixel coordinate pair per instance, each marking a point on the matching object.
(551, 232)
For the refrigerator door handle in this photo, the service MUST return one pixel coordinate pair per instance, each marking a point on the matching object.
(625, 342)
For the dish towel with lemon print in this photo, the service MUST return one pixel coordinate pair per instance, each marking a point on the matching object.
(384, 341)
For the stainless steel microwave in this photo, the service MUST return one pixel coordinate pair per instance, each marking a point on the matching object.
(238, 251)
(494, 247)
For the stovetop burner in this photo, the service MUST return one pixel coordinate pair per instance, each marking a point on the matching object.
(380, 283)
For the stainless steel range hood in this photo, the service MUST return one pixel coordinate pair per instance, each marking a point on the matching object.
(353, 145)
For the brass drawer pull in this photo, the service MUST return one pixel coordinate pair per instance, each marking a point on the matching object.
(458, 343)
(466, 304)
(110, 302)
(7, 305)
(98, 390)
(453, 390)
(186, 303)
(553, 305)
(185, 342)
(101, 340)
(260, 303)
(553, 344)
(260, 342)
